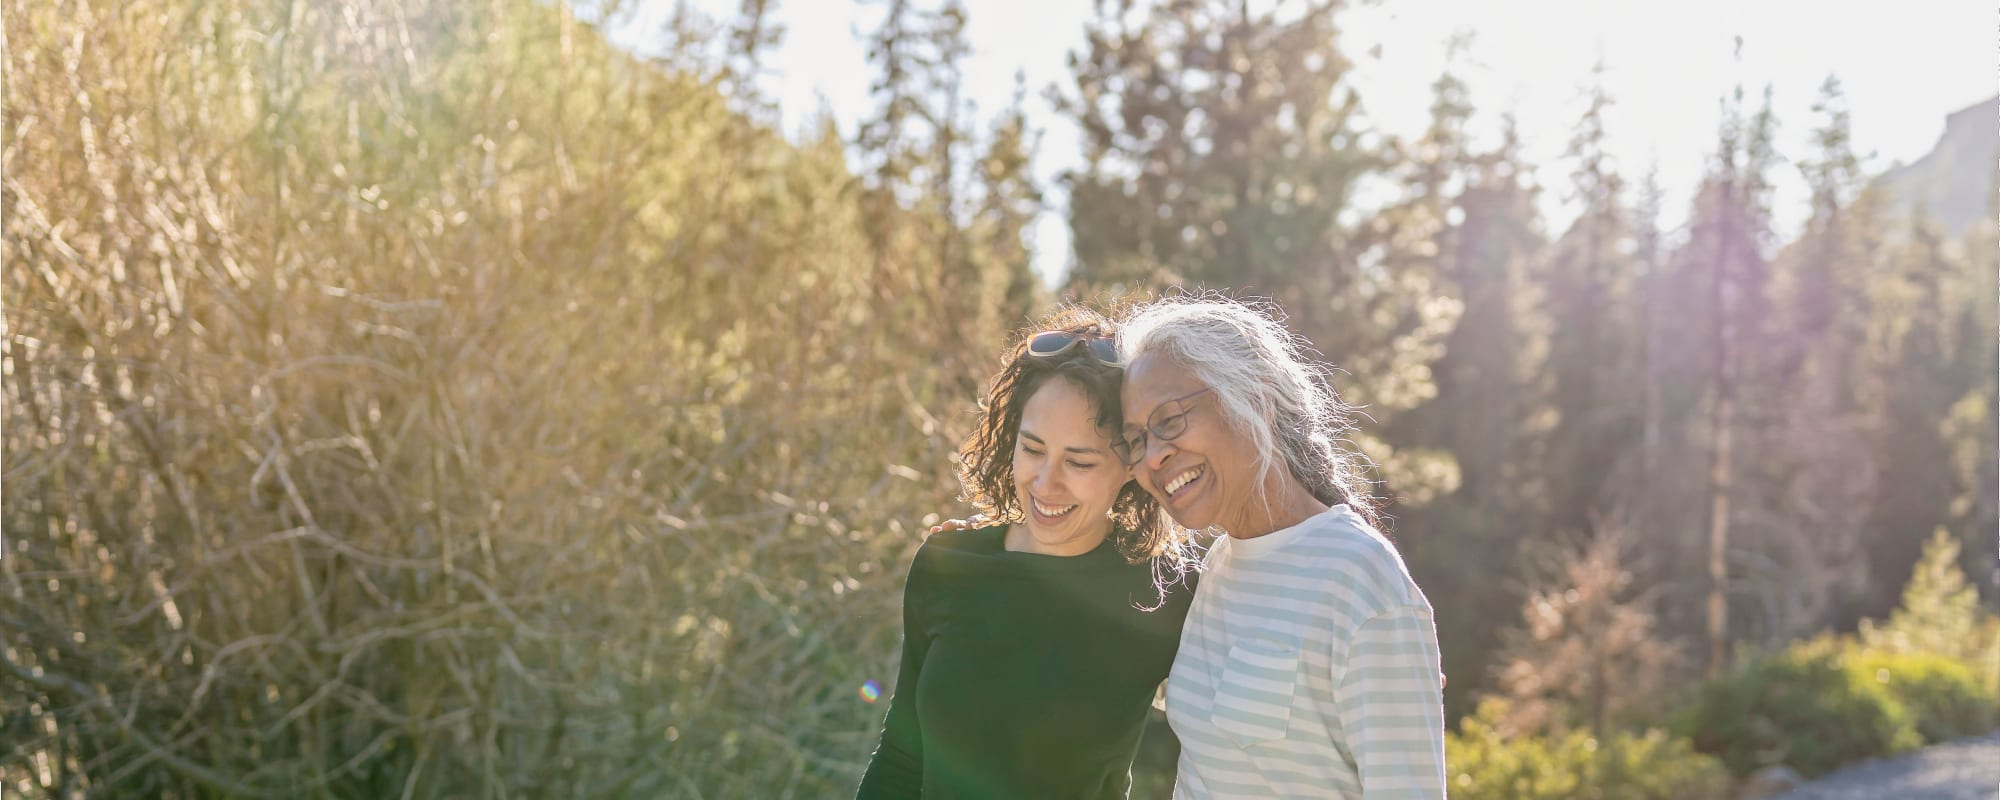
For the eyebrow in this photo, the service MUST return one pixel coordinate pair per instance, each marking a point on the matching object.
(1084, 450)
(1150, 413)
(1181, 401)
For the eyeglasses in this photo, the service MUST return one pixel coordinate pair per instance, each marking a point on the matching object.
(1131, 447)
(1049, 344)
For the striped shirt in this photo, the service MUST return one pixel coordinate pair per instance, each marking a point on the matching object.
(1308, 668)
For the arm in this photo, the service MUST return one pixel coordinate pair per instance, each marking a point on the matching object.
(897, 768)
(1391, 705)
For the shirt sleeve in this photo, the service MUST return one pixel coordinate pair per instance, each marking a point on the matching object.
(1391, 705)
(896, 770)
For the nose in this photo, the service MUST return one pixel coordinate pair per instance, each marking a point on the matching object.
(1157, 452)
(1045, 478)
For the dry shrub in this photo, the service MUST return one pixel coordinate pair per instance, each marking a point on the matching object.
(422, 399)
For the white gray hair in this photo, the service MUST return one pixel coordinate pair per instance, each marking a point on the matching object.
(1266, 383)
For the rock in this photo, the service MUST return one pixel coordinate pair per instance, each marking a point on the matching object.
(1770, 781)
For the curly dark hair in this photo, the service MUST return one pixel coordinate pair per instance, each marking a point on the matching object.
(986, 459)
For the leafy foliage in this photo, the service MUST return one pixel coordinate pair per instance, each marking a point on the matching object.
(1485, 762)
(415, 399)
(1943, 695)
(1939, 613)
(1804, 707)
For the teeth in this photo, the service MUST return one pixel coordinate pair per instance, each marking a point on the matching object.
(1051, 511)
(1176, 484)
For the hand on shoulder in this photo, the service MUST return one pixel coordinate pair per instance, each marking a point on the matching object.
(975, 522)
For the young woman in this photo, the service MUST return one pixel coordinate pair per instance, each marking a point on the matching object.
(1308, 667)
(1033, 648)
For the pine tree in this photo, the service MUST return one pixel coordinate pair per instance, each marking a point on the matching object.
(1716, 289)
(1590, 281)
(1973, 428)
(1648, 494)
(1587, 650)
(1471, 218)
(1009, 202)
(960, 235)
(1912, 385)
(753, 33)
(1216, 150)
(1220, 154)
(1817, 457)
(1939, 612)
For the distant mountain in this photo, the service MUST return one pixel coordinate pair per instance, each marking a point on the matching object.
(1953, 181)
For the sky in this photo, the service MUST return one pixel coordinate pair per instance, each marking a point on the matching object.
(1903, 65)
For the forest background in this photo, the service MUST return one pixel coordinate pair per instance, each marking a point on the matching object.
(435, 399)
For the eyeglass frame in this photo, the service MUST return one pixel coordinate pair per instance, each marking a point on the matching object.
(1126, 447)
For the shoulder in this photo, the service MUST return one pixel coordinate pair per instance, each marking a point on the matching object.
(1358, 558)
(949, 550)
(975, 540)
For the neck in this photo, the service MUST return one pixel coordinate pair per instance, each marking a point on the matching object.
(1287, 503)
(1022, 539)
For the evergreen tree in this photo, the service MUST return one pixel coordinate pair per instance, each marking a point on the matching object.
(1817, 458)
(1912, 386)
(1593, 348)
(1476, 212)
(1648, 493)
(1219, 153)
(1939, 612)
(1587, 651)
(962, 236)
(1715, 290)
(1971, 428)
(1216, 150)
(1009, 202)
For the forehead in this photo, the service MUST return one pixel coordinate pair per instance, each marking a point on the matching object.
(1058, 406)
(1152, 380)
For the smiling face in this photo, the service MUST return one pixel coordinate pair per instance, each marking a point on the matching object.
(1064, 472)
(1205, 477)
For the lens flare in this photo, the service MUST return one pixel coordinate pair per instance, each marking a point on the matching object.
(870, 691)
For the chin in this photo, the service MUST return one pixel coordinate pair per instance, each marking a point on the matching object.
(1189, 522)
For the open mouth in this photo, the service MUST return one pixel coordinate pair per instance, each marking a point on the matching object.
(1182, 481)
(1050, 511)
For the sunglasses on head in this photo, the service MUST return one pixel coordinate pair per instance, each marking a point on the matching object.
(1049, 344)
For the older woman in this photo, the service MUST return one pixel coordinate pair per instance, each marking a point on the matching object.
(1033, 648)
(1308, 666)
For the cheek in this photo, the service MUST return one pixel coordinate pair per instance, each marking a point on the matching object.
(1144, 477)
(1111, 487)
(1221, 443)
(1242, 466)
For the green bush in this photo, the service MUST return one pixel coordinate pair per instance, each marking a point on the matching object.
(1485, 762)
(1945, 697)
(1804, 708)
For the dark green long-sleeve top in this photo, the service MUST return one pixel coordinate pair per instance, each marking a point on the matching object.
(1023, 675)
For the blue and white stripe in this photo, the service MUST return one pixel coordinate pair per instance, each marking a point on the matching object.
(1308, 668)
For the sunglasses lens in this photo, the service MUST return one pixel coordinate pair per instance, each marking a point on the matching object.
(1105, 350)
(1050, 343)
